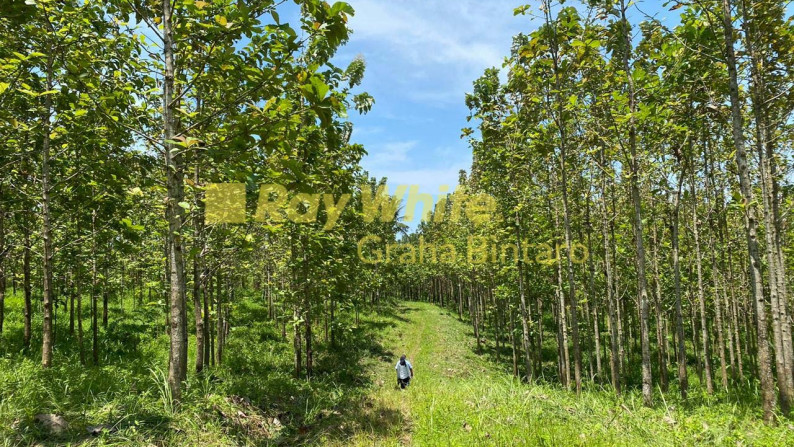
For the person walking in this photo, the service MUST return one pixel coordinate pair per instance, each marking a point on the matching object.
(405, 372)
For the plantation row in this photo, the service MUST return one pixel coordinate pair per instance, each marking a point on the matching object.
(667, 153)
(116, 116)
(664, 154)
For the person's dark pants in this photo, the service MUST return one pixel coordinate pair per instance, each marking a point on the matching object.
(404, 382)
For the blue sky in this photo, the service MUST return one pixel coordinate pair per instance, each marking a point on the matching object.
(422, 57)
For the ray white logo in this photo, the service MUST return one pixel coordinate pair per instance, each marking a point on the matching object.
(225, 203)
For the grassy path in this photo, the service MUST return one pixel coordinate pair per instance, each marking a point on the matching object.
(459, 399)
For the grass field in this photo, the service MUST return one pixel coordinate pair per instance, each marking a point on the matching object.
(457, 398)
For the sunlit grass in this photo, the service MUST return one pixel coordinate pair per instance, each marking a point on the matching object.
(457, 397)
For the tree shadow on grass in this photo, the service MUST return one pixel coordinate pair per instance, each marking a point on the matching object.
(361, 417)
(257, 368)
(332, 404)
(397, 312)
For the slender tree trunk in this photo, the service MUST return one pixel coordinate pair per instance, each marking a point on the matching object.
(719, 323)
(105, 293)
(683, 380)
(614, 355)
(523, 303)
(27, 291)
(661, 343)
(79, 292)
(701, 294)
(719, 225)
(72, 296)
(3, 251)
(512, 337)
(565, 359)
(475, 313)
(198, 278)
(781, 324)
(177, 359)
(591, 287)
(213, 308)
(206, 293)
(219, 320)
(735, 318)
(757, 290)
(573, 302)
(647, 386)
(94, 333)
(46, 229)
(296, 342)
(561, 126)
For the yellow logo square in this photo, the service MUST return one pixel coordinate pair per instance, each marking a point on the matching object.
(225, 203)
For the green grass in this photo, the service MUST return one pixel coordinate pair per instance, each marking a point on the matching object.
(252, 399)
(457, 397)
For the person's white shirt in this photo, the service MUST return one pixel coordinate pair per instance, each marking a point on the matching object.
(403, 371)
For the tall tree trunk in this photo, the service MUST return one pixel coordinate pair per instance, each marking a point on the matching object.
(591, 287)
(72, 297)
(475, 312)
(296, 341)
(213, 308)
(571, 290)
(177, 359)
(198, 277)
(3, 251)
(701, 293)
(647, 386)
(735, 318)
(27, 290)
(683, 380)
(718, 322)
(219, 320)
(94, 333)
(46, 229)
(614, 355)
(79, 293)
(206, 293)
(525, 317)
(781, 325)
(718, 224)
(565, 359)
(512, 338)
(661, 341)
(754, 264)
(105, 292)
(561, 126)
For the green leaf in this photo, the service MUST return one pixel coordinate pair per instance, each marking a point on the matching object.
(342, 7)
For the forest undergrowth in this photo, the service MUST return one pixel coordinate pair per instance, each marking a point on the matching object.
(457, 397)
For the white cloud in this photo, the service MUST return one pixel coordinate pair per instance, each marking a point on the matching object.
(386, 155)
(365, 131)
(442, 45)
(422, 57)
(429, 176)
(463, 32)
